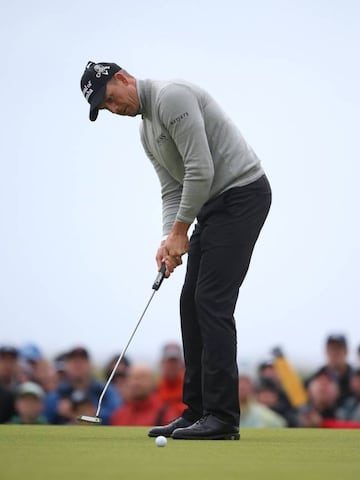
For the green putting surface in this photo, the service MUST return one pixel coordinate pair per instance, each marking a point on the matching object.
(94, 452)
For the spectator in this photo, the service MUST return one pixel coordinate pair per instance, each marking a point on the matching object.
(358, 352)
(253, 413)
(7, 404)
(337, 366)
(48, 377)
(81, 405)
(355, 383)
(170, 386)
(120, 377)
(31, 353)
(34, 367)
(25, 372)
(9, 367)
(324, 392)
(266, 369)
(29, 405)
(268, 392)
(350, 410)
(78, 368)
(8, 381)
(143, 406)
(59, 367)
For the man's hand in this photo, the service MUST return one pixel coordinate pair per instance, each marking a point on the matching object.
(173, 248)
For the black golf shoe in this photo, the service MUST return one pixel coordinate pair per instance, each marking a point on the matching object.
(207, 428)
(167, 430)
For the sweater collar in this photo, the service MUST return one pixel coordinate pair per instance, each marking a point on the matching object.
(144, 93)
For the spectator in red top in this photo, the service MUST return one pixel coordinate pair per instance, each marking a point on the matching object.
(170, 387)
(143, 406)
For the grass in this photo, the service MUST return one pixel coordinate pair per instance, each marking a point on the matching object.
(102, 453)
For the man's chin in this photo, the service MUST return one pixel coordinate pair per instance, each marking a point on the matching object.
(127, 114)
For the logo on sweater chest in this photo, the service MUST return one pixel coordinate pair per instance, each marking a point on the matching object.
(179, 118)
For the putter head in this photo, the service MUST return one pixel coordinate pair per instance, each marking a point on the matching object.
(88, 419)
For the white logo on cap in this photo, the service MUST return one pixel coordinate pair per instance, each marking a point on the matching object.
(101, 70)
(87, 90)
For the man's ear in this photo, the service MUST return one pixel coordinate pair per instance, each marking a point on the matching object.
(121, 77)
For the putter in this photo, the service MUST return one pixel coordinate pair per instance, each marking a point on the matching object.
(97, 419)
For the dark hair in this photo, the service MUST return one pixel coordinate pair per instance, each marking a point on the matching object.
(109, 367)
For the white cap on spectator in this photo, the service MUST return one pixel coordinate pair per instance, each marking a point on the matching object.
(30, 388)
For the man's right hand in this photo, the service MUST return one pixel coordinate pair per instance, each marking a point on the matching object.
(162, 256)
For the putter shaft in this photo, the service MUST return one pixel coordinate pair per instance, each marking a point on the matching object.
(156, 285)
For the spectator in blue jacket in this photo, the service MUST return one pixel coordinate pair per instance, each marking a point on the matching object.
(59, 407)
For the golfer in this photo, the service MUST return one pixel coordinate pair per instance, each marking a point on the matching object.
(210, 174)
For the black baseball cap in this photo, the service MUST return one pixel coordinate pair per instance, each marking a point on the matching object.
(8, 350)
(78, 352)
(93, 84)
(337, 338)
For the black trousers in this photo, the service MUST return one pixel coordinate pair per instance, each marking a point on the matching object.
(219, 257)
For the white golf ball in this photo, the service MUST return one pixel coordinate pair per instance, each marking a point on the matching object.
(160, 441)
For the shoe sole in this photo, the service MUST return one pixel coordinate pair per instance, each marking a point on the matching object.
(230, 436)
(153, 435)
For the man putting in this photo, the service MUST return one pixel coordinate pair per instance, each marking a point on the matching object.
(207, 172)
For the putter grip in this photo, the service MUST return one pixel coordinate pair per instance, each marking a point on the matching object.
(160, 277)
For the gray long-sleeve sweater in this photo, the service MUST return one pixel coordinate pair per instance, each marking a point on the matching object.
(197, 151)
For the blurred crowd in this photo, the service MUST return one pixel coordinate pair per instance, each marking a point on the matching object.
(34, 390)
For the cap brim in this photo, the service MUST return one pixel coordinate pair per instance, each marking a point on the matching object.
(30, 394)
(93, 114)
(95, 102)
